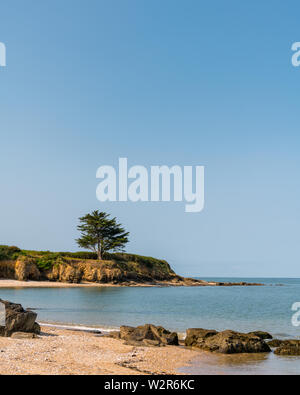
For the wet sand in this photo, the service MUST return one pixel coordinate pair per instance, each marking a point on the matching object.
(243, 364)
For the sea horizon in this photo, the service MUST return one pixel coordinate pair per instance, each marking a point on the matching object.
(207, 307)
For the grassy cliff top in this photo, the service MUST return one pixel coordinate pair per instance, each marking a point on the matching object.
(45, 260)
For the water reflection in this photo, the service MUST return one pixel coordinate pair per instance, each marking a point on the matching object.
(243, 364)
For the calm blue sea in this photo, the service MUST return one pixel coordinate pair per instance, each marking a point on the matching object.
(177, 308)
(243, 309)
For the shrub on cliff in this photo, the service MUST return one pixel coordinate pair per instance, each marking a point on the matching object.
(149, 262)
(46, 262)
(9, 253)
(79, 255)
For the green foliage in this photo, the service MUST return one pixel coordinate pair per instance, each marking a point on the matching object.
(44, 263)
(75, 255)
(149, 262)
(128, 263)
(79, 255)
(48, 260)
(100, 234)
(9, 253)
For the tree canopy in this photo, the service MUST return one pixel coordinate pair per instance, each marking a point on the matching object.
(101, 234)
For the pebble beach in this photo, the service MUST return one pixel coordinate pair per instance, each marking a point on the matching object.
(66, 352)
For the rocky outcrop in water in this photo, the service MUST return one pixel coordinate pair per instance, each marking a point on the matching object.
(286, 347)
(226, 342)
(18, 320)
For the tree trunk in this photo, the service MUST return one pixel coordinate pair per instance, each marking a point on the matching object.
(99, 251)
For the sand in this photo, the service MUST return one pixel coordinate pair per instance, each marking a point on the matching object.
(66, 352)
(47, 284)
(50, 284)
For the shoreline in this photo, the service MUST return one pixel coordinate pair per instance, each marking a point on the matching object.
(103, 328)
(49, 284)
(8, 283)
(82, 351)
(71, 352)
(64, 352)
(53, 284)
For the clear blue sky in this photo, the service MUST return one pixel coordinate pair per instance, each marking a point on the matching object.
(160, 82)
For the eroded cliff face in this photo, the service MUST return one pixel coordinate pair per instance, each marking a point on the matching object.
(26, 269)
(77, 271)
(7, 269)
(119, 268)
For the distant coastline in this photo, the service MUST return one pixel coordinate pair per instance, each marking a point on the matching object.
(44, 269)
(4, 283)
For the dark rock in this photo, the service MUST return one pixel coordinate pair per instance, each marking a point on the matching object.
(288, 347)
(92, 331)
(156, 334)
(242, 283)
(152, 343)
(193, 334)
(18, 320)
(230, 342)
(226, 342)
(275, 343)
(114, 335)
(261, 335)
(36, 328)
(164, 336)
(126, 332)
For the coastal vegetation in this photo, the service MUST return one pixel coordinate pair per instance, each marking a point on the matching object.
(9, 252)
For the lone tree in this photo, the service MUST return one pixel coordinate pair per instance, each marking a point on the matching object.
(100, 234)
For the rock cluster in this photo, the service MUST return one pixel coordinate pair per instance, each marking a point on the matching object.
(226, 342)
